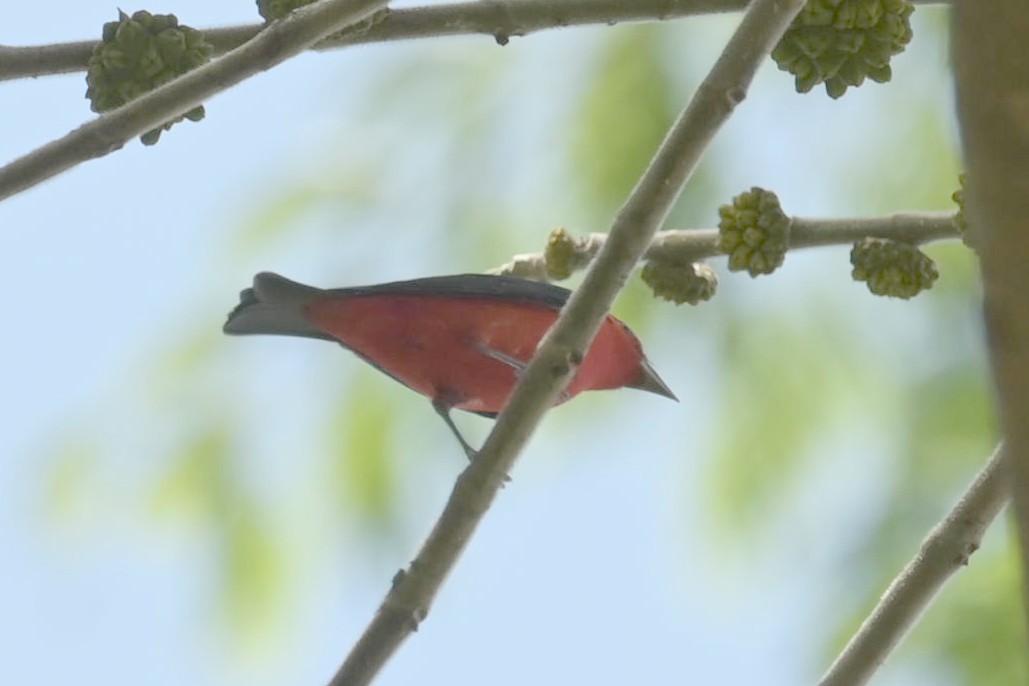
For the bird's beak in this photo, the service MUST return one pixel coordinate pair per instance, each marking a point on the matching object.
(650, 381)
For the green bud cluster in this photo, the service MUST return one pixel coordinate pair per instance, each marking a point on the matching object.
(140, 53)
(840, 42)
(563, 255)
(754, 232)
(960, 223)
(681, 282)
(892, 268)
(277, 9)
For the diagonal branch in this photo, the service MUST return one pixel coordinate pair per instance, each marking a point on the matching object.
(944, 551)
(552, 367)
(110, 131)
(991, 69)
(687, 245)
(501, 19)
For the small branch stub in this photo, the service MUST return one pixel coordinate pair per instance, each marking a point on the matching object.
(277, 9)
(959, 218)
(565, 255)
(271, 10)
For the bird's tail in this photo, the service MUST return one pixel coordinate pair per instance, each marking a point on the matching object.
(274, 305)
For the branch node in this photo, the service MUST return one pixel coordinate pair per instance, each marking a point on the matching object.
(735, 95)
(398, 578)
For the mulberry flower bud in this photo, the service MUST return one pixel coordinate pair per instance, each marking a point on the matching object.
(840, 42)
(892, 268)
(564, 254)
(140, 53)
(681, 282)
(754, 232)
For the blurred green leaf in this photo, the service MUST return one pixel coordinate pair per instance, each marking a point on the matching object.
(948, 435)
(950, 429)
(979, 625)
(624, 114)
(192, 351)
(479, 235)
(922, 178)
(276, 213)
(451, 91)
(350, 185)
(361, 464)
(72, 480)
(787, 379)
(203, 485)
(193, 354)
(637, 306)
(958, 286)
(199, 482)
(253, 571)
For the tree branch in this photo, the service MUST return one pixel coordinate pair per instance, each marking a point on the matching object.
(944, 551)
(552, 367)
(689, 245)
(110, 131)
(501, 19)
(991, 67)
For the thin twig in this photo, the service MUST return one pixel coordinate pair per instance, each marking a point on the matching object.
(501, 19)
(688, 245)
(991, 69)
(110, 131)
(944, 551)
(408, 601)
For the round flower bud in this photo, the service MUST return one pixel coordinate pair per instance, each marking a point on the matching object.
(892, 268)
(681, 282)
(754, 232)
(840, 42)
(140, 53)
(563, 255)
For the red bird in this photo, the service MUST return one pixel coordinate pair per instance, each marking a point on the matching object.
(462, 341)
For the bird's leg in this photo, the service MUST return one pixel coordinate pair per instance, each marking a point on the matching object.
(443, 410)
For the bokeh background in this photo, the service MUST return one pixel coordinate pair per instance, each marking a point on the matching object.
(180, 507)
